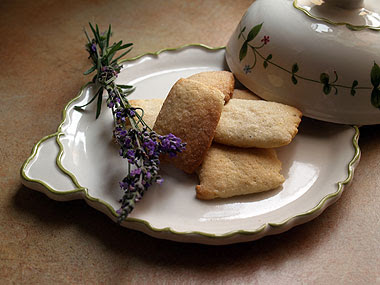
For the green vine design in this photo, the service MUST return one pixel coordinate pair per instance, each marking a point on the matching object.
(328, 84)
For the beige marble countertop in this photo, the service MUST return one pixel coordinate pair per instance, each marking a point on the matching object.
(42, 241)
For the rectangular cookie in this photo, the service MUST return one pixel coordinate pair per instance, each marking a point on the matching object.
(244, 94)
(257, 123)
(230, 171)
(222, 80)
(191, 112)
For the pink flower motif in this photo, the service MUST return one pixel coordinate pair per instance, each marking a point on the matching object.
(265, 40)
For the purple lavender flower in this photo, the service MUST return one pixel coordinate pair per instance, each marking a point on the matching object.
(119, 115)
(142, 148)
(123, 133)
(131, 112)
(135, 172)
(171, 145)
(130, 155)
(150, 146)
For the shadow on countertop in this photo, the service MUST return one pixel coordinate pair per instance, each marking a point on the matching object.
(124, 244)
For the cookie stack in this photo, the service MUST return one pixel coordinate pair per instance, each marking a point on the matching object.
(231, 134)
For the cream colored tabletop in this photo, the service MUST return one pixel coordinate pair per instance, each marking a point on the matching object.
(42, 241)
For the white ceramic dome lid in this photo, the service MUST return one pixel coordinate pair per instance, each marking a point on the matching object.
(283, 52)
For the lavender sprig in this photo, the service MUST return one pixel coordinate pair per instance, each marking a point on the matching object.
(139, 144)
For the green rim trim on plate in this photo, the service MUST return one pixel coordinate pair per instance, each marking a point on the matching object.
(84, 191)
(31, 157)
(172, 49)
(348, 25)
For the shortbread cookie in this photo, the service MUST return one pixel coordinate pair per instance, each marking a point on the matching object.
(244, 94)
(222, 80)
(151, 109)
(191, 111)
(230, 171)
(257, 123)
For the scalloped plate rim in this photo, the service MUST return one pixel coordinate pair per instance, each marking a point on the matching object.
(236, 235)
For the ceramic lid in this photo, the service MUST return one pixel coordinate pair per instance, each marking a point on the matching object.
(320, 56)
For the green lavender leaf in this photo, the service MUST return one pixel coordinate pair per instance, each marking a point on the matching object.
(92, 69)
(116, 48)
(88, 38)
(96, 35)
(98, 62)
(375, 75)
(125, 86)
(254, 32)
(120, 56)
(243, 51)
(265, 64)
(269, 57)
(128, 92)
(100, 42)
(125, 46)
(99, 103)
(79, 108)
(108, 35)
(111, 52)
(294, 80)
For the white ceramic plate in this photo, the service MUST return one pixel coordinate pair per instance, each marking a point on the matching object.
(80, 161)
